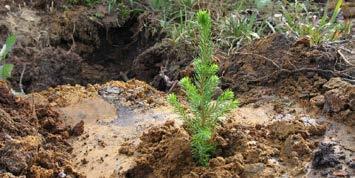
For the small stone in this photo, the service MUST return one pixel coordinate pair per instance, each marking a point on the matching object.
(352, 104)
(352, 165)
(127, 150)
(215, 162)
(84, 161)
(335, 83)
(340, 173)
(318, 100)
(8, 7)
(325, 173)
(335, 101)
(78, 129)
(62, 175)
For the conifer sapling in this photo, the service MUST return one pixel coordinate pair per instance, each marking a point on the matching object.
(203, 113)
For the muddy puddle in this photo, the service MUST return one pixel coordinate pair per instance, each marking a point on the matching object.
(109, 121)
(96, 152)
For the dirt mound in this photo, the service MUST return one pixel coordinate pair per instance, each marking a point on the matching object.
(45, 68)
(170, 161)
(246, 151)
(293, 67)
(32, 139)
(133, 94)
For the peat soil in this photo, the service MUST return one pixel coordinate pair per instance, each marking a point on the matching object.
(296, 118)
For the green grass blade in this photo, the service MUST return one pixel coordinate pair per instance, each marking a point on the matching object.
(5, 71)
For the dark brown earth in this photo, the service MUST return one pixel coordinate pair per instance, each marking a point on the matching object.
(96, 49)
(32, 139)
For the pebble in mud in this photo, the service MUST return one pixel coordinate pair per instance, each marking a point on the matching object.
(78, 129)
(352, 165)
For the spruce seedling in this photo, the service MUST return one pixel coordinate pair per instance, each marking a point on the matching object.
(203, 113)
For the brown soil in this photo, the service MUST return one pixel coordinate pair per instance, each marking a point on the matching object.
(33, 140)
(112, 113)
(296, 116)
(51, 42)
(282, 62)
(246, 151)
(164, 64)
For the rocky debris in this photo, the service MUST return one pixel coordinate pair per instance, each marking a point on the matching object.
(18, 154)
(65, 95)
(325, 156)
(127, 150)
(339, 99)
(332, 159)
(133, 94)
(318, 100)
(165, 151)
(296, 149)
(283, 129)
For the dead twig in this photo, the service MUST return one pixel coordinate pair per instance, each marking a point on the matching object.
(21, 78)
(258, 55)
(347, 50)
(72, 37)
(175, 83)
(344, 58)
(301, 70)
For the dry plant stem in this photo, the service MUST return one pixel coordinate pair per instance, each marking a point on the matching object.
(347, 50)
(344, 58)
(72, 37)
(21, 77)
(287, 71)
(258, 55)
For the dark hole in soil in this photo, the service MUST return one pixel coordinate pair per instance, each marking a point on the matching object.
(118, 49)
(107, 55)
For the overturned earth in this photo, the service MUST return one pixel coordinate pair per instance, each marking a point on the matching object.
(96, 102)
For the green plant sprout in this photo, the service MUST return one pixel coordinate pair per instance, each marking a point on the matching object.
(326, 29)
(6, 69)
(236, 29)
(203, 113)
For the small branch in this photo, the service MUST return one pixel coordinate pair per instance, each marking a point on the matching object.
(347, 50)
(21, 78)
(344, 58)
(258, 55)
(287, 71)
(72, 37)
(175, 83)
